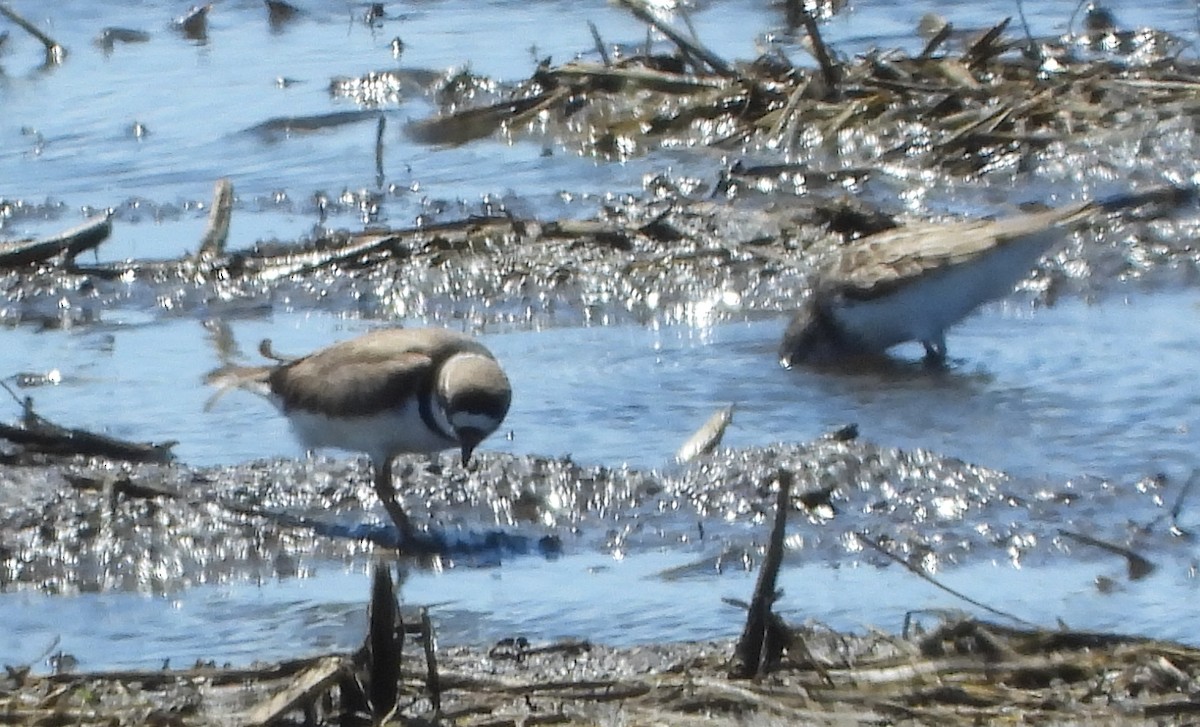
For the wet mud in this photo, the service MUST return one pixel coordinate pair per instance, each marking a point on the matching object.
(97, 525)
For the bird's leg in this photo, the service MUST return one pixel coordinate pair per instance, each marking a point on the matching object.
(935, 350)
(387, 494)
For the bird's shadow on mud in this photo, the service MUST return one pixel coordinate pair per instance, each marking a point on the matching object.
(475, 547)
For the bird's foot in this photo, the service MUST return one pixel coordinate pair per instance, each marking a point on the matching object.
(935, 353)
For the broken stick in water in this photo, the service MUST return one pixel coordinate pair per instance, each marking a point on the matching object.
(384, 644)
(765, 636)
(41, 436)
(641, 10)
(68, 243)
(55, 53)
(708, 437)
(217, 231)
(1139, 566)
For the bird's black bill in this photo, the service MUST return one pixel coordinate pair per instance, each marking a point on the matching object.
(470, 439)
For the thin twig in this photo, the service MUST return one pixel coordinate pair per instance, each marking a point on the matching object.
(379, 128)
(384, 644)
(1139, 566)
(828, 69)
(688, 46)
(1034, 51)
(433, 680)
(1183, 493)
(936, 41)
(55, 53)
(913, 569)
(600, 45)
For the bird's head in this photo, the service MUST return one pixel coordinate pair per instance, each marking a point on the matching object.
(809, 337)
(475, 395)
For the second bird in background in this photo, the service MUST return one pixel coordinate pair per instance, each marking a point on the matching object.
(914, 282)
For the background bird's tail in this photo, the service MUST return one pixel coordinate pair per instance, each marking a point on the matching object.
(1149, 204)
(232, 376)
(1162, 199)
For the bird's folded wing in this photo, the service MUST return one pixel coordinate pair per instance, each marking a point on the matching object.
(351, 386)
(881, 263)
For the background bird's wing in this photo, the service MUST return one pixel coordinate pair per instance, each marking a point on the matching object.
(882, 262)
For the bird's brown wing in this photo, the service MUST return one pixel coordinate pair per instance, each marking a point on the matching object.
(348, 379)
(881, 263)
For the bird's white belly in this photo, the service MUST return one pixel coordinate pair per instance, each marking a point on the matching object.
(379, 435)
(924, 309)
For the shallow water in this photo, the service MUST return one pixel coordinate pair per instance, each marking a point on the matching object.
(1020, 393)
(1073, 392)
(67, 140)
(634, 395)
(611, 601)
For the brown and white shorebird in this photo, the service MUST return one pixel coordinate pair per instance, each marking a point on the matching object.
(913, 283)
(389, 392)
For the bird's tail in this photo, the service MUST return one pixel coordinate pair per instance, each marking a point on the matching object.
(1149, 204)
(1160, 200)
(232, 376)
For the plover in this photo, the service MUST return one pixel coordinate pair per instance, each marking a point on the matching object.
(914, 282)
(386, 393)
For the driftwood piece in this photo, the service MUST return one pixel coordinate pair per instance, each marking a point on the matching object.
(68, 243)
(52, 439)
(358, 249)
(309, 686)
(829, 70)
(42, 436)
(963, 672)
(274, 128)
(477, 123)
(639, 77)
(216, 233)
(707, 437)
